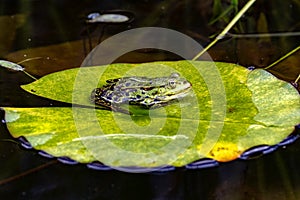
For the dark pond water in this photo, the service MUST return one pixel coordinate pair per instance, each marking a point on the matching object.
(53, 31)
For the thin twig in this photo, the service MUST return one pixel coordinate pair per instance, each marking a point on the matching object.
(30, 171)
(29, 59)
(257, 35)
(29, 75)
(297, 79)
(282, 58)
(227, 28)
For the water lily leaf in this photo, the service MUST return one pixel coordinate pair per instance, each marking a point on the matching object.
(230, 110)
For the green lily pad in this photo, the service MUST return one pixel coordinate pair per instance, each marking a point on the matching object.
(230, 110)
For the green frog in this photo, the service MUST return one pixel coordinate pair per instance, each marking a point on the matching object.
(142, 91)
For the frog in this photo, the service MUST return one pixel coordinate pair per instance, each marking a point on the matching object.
(145, 92)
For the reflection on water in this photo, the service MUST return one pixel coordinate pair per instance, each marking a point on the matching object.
(52, 29)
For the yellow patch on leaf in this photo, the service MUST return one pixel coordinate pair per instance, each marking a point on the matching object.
(224, 152)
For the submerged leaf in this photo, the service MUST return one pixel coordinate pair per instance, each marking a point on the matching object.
(231, 110)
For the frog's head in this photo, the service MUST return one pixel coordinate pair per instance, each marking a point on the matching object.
(175, 87)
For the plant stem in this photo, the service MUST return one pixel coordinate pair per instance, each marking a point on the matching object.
(297, 79)
(29, 59)
(30, 171)
(260, 35)
(226, 29)
(29, 75)
(283, 57)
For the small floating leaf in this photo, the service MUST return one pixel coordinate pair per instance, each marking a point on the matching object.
(11, 65)
(260, 110)
(16, 67)
(106, 18)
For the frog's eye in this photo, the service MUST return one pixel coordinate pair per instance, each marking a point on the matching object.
(174, 75)
(172, 83)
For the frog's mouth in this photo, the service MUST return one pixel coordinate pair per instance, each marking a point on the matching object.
(179, 95)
